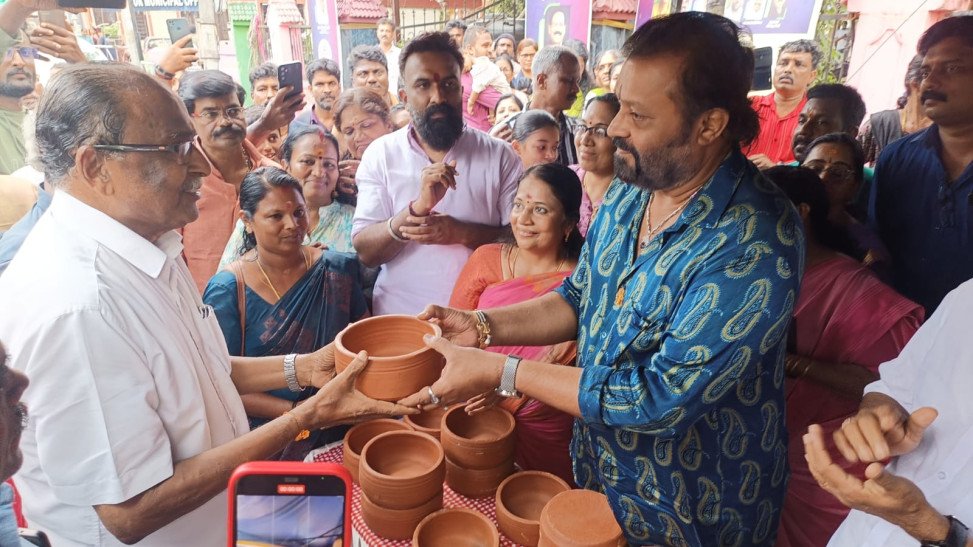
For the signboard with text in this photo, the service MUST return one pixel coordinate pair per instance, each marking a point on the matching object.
(165, 5)
(325, 34)
(759, 16)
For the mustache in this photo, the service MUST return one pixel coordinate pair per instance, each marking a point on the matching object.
(935, 95)
(227, 130)
(444, 109)
(622, 144)
(193, 185)
(17, 72)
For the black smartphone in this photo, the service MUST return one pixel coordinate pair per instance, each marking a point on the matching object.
(104, 4)
(289, 503)
(179, 29)
(33, 537)
(291, 74)
(763, 68)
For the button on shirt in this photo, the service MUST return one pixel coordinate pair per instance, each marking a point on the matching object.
(389, 178)
(923, 218)
(776, 133)
(128, 376)
(682, 348)
(932, 370)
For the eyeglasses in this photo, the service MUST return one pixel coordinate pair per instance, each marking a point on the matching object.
(835, 170)
(181, 150)
(598, 131)
(24, 52)
(212, 114)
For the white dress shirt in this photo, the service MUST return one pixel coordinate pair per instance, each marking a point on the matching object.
(128, 374)
(934, 369)
(488, 171)
(392, 58)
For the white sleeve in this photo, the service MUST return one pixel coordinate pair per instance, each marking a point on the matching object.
(93, 400)
(511, 169)
(374, 201)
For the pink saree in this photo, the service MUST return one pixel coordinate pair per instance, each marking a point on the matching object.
(844, 315)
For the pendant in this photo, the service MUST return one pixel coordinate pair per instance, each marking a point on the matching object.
(619, 297)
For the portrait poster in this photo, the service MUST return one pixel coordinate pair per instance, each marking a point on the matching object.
(325, 35)
(774, 16)
(647, 9)
(551, 23)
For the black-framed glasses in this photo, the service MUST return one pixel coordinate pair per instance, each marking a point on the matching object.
(181, 150)
(212, 114)
(599, 131)
(25, 53)
(835, 170)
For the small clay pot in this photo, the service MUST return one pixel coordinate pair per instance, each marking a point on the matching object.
(579, 518)
(359, 435)
(520, 499)
(459, 527)
(484, 440)
(396, 523)
(428, 421)
(402, 469)
(399, 362)
(477, 483)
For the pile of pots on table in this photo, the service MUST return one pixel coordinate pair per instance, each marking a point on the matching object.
(402, 465)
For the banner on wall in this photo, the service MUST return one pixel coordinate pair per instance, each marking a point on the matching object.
(325, 35)
(760, 16)
(165, 5)
(551, 23)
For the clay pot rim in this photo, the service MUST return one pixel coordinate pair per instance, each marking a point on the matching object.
(510, 514)
(438, 498)
(440, 455)
(408, 419)
(549, 525)
(340, 346)
(494, 532)
(459, 440)
(355, 428)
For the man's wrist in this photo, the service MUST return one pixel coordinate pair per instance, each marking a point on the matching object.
(928, 525)
(419, 209)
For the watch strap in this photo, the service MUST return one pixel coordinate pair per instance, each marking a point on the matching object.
(290, 373)
(508, 379)
(957, 536)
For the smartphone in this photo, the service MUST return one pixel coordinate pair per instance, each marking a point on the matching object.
(33, 537)
(763, 68)
(289, 503)
(105, 4)
(291, 74)
(179, 29)
(54, 17)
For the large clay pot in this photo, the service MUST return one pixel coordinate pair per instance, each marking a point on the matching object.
(402, 469)
(359, 435)
(484, 440)
(429, 421)
(399, 363)
(579, 518)
(456, 528)
(396, 523)
(477, 483)
(520, 499)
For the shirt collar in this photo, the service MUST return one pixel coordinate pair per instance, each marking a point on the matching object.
(413, 140)
(143, 254)
(715, 195)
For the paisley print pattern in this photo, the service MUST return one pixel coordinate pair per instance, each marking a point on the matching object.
(682, 348)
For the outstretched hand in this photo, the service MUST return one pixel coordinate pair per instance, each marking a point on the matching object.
(882, 429)
(468, 372)
(458, 326)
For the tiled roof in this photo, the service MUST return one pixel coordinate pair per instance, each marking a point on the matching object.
(361, 10)
(287, 10)
(242, 11)
(614, 6)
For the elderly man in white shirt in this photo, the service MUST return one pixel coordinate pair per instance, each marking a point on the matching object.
(136, 418)
(920, 413)
(433, 191)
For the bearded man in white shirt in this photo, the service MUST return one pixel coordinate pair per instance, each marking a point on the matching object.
(136, 416)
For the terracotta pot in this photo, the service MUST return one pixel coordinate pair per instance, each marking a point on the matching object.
(427, 422)
(579, 518)
(359, 435)
(396, 523)
(399, 363)
(481, 441)
(402, 469)
(520, 499)
(456, 528)
(477, 483)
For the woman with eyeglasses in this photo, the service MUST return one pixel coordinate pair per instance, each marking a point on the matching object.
(546, 245)
(838, 159)
(523, 80)
(360, 116)
(596, 155)
(846, 323)
(282, 296)
(602, 74)
(310, 155)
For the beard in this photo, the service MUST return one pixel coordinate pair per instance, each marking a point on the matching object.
(17, 90)
(440, 134)
(326, 103)
(665, 167)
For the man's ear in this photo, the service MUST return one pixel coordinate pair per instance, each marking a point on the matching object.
(711, 125)
(92, 167)
(541, 80)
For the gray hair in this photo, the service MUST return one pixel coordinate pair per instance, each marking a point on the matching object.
(84, 104)
(551, 58)
(804, 46)
(366, 53)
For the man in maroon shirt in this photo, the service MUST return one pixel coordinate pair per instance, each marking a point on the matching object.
(778, 111)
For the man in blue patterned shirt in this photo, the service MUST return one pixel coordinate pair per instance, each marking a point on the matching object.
(680, 304)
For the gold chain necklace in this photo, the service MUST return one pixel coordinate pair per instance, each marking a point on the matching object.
(512, 262)
(307, 266)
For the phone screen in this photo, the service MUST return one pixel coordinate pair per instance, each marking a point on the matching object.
(292, 510)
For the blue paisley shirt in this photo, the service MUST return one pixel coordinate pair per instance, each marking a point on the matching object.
(682, 348)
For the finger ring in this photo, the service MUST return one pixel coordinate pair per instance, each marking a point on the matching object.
(432, 396)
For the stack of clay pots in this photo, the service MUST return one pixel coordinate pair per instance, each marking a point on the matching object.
(359, 435)
(479, 450)
(429, 421)
(401, 475)
(456, 528)
(399, 362)
(520, 499)
(579, 518)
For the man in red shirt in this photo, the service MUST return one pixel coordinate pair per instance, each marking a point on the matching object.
(778, 111)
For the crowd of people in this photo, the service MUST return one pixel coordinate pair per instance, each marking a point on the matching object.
(741, 319)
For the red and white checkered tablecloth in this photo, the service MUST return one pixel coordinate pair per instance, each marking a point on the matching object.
(451, 499)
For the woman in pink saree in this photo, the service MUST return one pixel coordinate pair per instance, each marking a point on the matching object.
(846, 323)
(544, 220)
